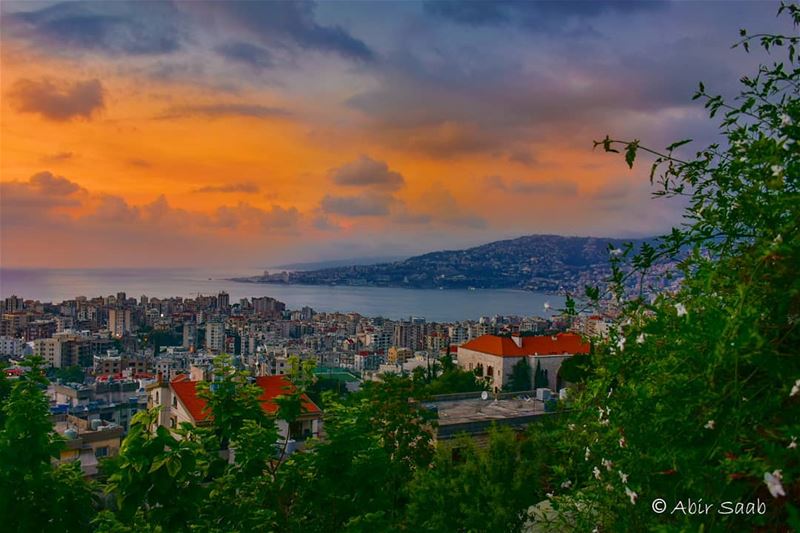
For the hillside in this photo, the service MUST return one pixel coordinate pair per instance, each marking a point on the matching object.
(534, 262)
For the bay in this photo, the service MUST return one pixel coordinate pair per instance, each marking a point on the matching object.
(56, 285)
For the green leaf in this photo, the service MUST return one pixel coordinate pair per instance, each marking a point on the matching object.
(173, 466)
(674, 145)
(630, 152)
(158, 464)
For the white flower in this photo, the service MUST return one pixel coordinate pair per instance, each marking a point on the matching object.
(587, 454)
(778, 239)
(623, 477)
(632, 495)
(786, 120)
(602, 412)
(606, 463)
(567, 484)
(640, 338)
(777, 170)
(795, 389)
(604, 422)
(710, 424)
(792, 445)
(595, 530)
(616, 251)
(622, 442)
(681, 309)
(547, 306)
(610, 390)
(596, 472)
(549, 495)
(571, 427)
(773, 482)
(621, 343)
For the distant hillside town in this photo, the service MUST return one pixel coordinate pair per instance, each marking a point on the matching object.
(543, 263)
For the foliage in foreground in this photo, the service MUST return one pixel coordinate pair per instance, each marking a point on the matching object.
(696, 394)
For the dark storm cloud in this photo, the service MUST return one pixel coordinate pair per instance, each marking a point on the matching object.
(288, 24)
(366, 171)
(253, 56)
(533, 15)
(113, 28)
(449, 96)
(59, 101)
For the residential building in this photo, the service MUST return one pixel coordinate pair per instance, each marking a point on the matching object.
(494, 357)
(181, 403)
(215, 337)
(119, 321)
(87, 441)
(189, 335)
(12, 347)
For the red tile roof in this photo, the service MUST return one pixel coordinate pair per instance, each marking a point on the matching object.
(273, 386)
(187, 393)
(542, 345)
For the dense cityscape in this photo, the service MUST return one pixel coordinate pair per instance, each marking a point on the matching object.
(105, 355)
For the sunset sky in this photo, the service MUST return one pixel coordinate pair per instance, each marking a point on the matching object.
(254, 134)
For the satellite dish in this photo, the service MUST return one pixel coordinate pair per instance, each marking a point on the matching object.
(484, 395)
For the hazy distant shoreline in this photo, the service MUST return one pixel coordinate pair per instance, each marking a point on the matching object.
(56, 285)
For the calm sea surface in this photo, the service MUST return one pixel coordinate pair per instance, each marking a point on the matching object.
(55, 285)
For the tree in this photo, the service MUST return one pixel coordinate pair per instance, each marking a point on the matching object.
(575, 369)
(520, 376)
(231, 400)
(357, 478)
(445, 377)
(540, 377)
(697, 390)
(472, 488)
(71, 374)
(35, 495)
(159, 477)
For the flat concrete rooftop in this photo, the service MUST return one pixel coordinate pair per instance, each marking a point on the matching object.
(475, 416)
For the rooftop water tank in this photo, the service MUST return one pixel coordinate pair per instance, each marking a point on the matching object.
(71, 434)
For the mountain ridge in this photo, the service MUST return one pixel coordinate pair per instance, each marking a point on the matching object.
(536, 262)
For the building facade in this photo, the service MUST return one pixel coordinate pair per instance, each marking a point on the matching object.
(494, 357)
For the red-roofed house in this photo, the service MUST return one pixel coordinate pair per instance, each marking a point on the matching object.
(494, 357)
(181, 403)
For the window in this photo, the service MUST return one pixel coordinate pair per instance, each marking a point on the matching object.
(101, 452)
(174, 401)
(156, 397)
(490, 371)
(173, 422)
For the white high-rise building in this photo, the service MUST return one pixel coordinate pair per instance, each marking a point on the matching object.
(215, 336)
